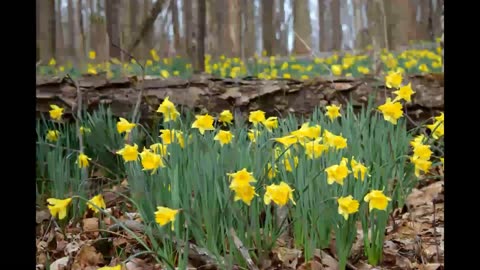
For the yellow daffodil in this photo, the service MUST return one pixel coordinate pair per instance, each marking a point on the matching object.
(58, 208)
(337, 173)
(377, 200)
(56, 112)
(52, 135)
(393, 80)
(98, 202)
(124, 126)
(164, 215)
(405, 93)
(203, 122)
(225, 117)
(129, 152)
(256, 117)
(271, 123)
(151, 161)
(391, 111)
(172, 136)
(224, 137)
(167, 108)
(279, 194)
(82, 160)
(359, 170)
(347, 206)
(333, 111)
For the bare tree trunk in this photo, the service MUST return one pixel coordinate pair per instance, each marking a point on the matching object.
(60, 41)
(323, 25)
(250, 29)
(268, 34)
(358, 22)
(436, 19)
(83, 37)
(283, 29)
(176, 27)
(398, 13)
(135, 19)
(376, 23)
(336, 25)
(221, 19)
(47, 30)
(202, 25)
(146, 25)
(422, 27)
(234, 27)
(113, 28)
(188, 22)
(148, 39)
(71, 44)
(302, 27)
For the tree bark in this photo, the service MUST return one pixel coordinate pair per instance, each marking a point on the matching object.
(83, 37)
(176, 28)
(113, 28)
(250, 29)
(302, 27)
(202, 25)
(282, 29)
(71, 44)
(234, 27)
(146, 25)
(323, 25)
(60, 40)
(336, 25)
(268, 33)
(358, 22)
(399, 20)
(148, 40)
(46, 29)
(189, 28)
(423, 26)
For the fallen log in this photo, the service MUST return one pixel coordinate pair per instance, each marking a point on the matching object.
(205, 93)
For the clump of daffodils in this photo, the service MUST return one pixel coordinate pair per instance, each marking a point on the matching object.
(392, 110)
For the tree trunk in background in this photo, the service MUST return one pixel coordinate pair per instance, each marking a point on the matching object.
(81, 24)
(113, 28)
(376, 24)
(323, 25)
(211, 38)
(282, 44)
(302, 27)
(336, 25)
(358, 23)
(47, 30)
(423, 33)
(148, 39)
(436, 20)
(398, 13)
(98, 33)
(202, 27)
(250, 29)
(60, 41)
(72, 22)
(268, 33)
(145, 27)
(234, 27)
(220, 14)
(188, 22)
(135, 20)
(176, 28)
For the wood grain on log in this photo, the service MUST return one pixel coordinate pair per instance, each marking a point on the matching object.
(207, 93)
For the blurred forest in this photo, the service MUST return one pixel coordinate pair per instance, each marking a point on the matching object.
(67, 30)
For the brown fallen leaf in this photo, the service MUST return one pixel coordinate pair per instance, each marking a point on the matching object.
(328, 262)
(90, 227)
(311, 265)
(431, 266)
(289, 257)
(87, 257)
(42, 215)
(138, 264)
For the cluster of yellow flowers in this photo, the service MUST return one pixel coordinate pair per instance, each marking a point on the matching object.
(58, 207)
(421, 152)
(393, 110)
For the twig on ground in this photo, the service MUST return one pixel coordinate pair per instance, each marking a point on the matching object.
(244, 251)
(435, 232)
